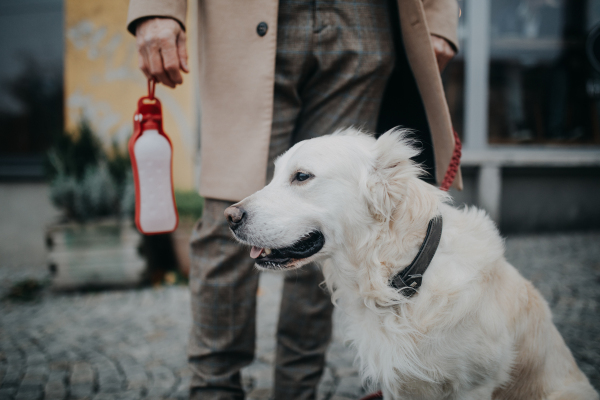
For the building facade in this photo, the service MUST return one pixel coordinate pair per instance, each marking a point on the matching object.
(524, 93)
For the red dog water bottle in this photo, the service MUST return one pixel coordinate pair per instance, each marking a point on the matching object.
(151, 155)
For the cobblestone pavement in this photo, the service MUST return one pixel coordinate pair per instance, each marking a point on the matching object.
(131, 344)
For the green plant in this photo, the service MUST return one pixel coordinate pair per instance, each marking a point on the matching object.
(72, 154)
(86, 181)
(189, 204)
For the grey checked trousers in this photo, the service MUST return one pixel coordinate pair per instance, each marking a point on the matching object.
(333, 61)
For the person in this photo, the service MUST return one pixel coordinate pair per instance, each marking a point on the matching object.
(273, 73)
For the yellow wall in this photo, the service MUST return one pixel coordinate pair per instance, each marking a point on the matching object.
(103, 82)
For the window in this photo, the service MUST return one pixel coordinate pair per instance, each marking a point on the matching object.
(544, 77)
(31, 84)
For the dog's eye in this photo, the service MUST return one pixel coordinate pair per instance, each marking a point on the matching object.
(301, 176)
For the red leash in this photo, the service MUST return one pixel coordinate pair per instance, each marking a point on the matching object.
(374, 396)
(454, 165)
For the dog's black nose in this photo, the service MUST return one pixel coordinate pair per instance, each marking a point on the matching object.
(235, 216)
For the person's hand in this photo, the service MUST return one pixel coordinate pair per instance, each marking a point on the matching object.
(444, 52)
(161, 50)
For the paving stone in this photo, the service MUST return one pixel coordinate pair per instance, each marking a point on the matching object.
(13, 376)
(183, 389)
(59, 369)
(55, 390)
(261, 375)
(14, 366)
(129, 395)
(80, 391)
(162, 383)
(7, 392)
(35, 374)
(108, 378)
(29, 392)
(2, 372)
(82, 374)
(135, 375)
(36, 359)
(326, 385)
(349, 386)
(260, 394)
(104, 396)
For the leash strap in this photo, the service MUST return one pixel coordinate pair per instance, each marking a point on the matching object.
(454, 164)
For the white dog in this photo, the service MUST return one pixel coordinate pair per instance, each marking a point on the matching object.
(474, 329)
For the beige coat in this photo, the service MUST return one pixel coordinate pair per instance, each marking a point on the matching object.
(237, 68)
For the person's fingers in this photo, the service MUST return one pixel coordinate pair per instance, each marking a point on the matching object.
(143, 63)
(439, 53)
(182, 51)
(442, 60)
(170, 59)
(142, 54)
(160, 50)
(157, 68)
(444, 52)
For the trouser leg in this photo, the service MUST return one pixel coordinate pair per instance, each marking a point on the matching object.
(303, 334)
(304, 326)
(330, 75)
(223, 285)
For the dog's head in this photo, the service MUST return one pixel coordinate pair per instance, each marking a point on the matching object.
(326, 194)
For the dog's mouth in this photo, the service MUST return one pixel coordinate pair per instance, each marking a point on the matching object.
(285, 257)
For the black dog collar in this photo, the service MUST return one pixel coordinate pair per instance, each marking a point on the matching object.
(409, 279)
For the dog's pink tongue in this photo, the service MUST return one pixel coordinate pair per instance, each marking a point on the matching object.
(255, 252)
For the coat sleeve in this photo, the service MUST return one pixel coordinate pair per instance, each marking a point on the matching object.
(442, 19)
(175, 9)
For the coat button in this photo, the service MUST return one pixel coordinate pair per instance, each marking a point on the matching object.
(262, 29)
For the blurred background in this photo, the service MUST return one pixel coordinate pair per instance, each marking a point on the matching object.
(90, 307)
(68, 90)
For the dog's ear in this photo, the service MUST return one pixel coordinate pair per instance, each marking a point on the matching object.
(391, 173)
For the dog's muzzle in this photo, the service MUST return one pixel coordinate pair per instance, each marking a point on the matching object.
(275, 258)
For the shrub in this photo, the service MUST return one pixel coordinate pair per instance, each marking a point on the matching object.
(86, 181)
(189, 204)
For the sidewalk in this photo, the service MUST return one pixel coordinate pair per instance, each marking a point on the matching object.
(131, 344)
